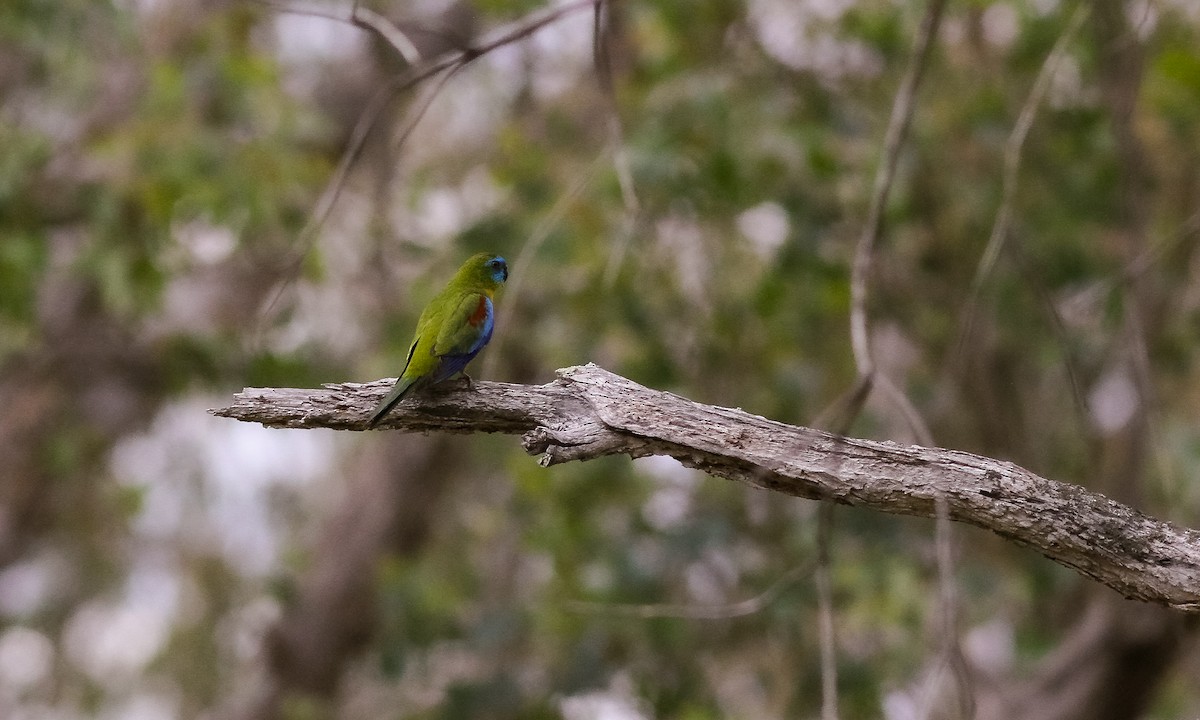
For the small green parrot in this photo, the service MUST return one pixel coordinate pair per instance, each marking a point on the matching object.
(453, 328)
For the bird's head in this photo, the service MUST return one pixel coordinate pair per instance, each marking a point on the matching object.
(484, 270)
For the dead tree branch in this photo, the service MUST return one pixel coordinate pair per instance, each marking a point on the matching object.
(417, 73)
(589, 412)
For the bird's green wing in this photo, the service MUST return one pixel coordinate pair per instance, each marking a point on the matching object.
(457, 335)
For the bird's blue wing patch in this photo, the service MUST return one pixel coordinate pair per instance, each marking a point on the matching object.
(484, 320)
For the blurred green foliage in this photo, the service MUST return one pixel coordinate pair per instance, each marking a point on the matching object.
(160, 161)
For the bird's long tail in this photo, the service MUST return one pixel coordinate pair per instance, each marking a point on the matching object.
(403, 386)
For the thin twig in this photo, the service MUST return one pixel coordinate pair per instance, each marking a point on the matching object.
(897, 129)
(894, 136)
(310, 9)
(916, 423)
(389, 32)
(1012, 167)
(950, 659)
(333, 189)
(828, 641)
(1029, 273)
(524, 259)
(631, 215)
(602, 58)
(838, 416)
(383, 97)
(423, 106)
(360, 17)
(749, 606)
(1152, 254)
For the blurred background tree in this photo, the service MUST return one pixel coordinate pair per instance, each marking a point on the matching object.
(681, 206)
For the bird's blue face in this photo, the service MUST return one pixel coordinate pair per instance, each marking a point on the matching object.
(498, 268)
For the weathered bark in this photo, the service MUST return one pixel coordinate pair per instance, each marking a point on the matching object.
(589, 412)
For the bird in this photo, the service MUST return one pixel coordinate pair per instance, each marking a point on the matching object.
(451, 331)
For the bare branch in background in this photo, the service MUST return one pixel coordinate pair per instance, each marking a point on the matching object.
(825, 629)
(359, 16)
(851, 406)
(912, 417)
(950, 662)
(897, 130)
(749, 606)
(602, 53)
(529, 250)
(375, 106)
(629, 223)
(383, 97)
(589, 413)
(388, 31)
(846, 409)
(1012, 167)
(1189, 229)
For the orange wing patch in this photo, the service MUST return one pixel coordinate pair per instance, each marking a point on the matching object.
(480, 313)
